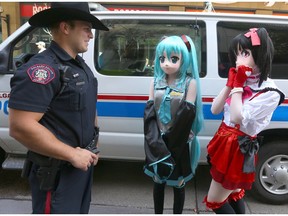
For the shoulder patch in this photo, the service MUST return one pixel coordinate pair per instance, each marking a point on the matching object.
(41, 73)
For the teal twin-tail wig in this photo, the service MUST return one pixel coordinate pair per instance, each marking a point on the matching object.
(189, 67)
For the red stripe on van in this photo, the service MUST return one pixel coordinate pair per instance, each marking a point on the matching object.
(122, 97)
(135, 97)
(207, 100)
(145, 98)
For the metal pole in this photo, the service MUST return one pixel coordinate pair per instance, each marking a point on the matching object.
(8, 24)
(7, 20)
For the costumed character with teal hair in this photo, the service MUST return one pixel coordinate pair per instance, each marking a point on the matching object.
(173, 117)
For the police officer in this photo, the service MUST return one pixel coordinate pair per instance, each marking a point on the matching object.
(53, 111)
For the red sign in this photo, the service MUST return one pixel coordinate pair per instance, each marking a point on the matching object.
(136, 9)
(29, 10)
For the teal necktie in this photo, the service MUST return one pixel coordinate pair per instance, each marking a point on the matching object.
(164, 110)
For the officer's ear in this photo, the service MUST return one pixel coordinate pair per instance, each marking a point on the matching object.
(64, 27)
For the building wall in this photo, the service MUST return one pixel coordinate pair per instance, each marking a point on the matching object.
(254, 7)
(12, 10)
(19, 12)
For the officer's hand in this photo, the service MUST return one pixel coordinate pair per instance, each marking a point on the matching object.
(97, 155)
(83, 159)
(96, 160)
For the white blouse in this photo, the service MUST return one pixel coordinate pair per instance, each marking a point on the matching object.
(258, 112)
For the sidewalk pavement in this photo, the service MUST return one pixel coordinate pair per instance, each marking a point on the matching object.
(130, 192)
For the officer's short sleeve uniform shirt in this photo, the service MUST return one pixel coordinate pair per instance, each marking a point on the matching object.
(62, 88)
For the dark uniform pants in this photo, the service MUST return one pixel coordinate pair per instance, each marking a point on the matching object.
(72, 194)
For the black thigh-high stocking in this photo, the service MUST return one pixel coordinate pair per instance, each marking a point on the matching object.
(158, 195)
(238, 206)
(219, 208)
(179, 199)
(226, 208)
(237, 202)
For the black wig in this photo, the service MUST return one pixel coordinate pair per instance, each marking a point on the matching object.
(262, 54)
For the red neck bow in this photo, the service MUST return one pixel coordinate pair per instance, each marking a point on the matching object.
(246, 94)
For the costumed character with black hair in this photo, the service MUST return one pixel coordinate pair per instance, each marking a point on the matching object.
(173, 117)
(248, 101)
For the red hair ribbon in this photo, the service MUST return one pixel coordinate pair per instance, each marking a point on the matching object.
(184, 38)
(254, 36)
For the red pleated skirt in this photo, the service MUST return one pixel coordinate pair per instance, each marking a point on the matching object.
(227, 160)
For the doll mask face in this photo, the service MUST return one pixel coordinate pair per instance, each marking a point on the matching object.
(170, 65)
(244, 57)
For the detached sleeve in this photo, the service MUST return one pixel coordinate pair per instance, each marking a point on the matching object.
(177, 136)
(155, 147)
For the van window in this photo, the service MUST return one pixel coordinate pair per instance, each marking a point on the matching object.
(226, 31)
(26, 46)
(128, 48)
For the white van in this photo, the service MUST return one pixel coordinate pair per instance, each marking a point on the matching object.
(122, 60)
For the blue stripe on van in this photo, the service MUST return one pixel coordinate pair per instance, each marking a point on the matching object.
(120, 109)
(136, 110)
(281, 114)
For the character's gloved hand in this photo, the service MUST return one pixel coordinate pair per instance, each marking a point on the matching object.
(231, 77)
(243, 72)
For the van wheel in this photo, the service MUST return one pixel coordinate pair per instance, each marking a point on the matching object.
(271, 182)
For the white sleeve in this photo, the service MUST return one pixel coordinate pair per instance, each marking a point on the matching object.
(258, 112)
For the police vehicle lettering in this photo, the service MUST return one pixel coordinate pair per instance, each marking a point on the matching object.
(4, 107)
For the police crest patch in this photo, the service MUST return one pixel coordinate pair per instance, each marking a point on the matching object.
(41, 73)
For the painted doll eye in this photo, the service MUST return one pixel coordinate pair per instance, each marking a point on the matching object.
(245, 53)
(162, 59)
(174, 59)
